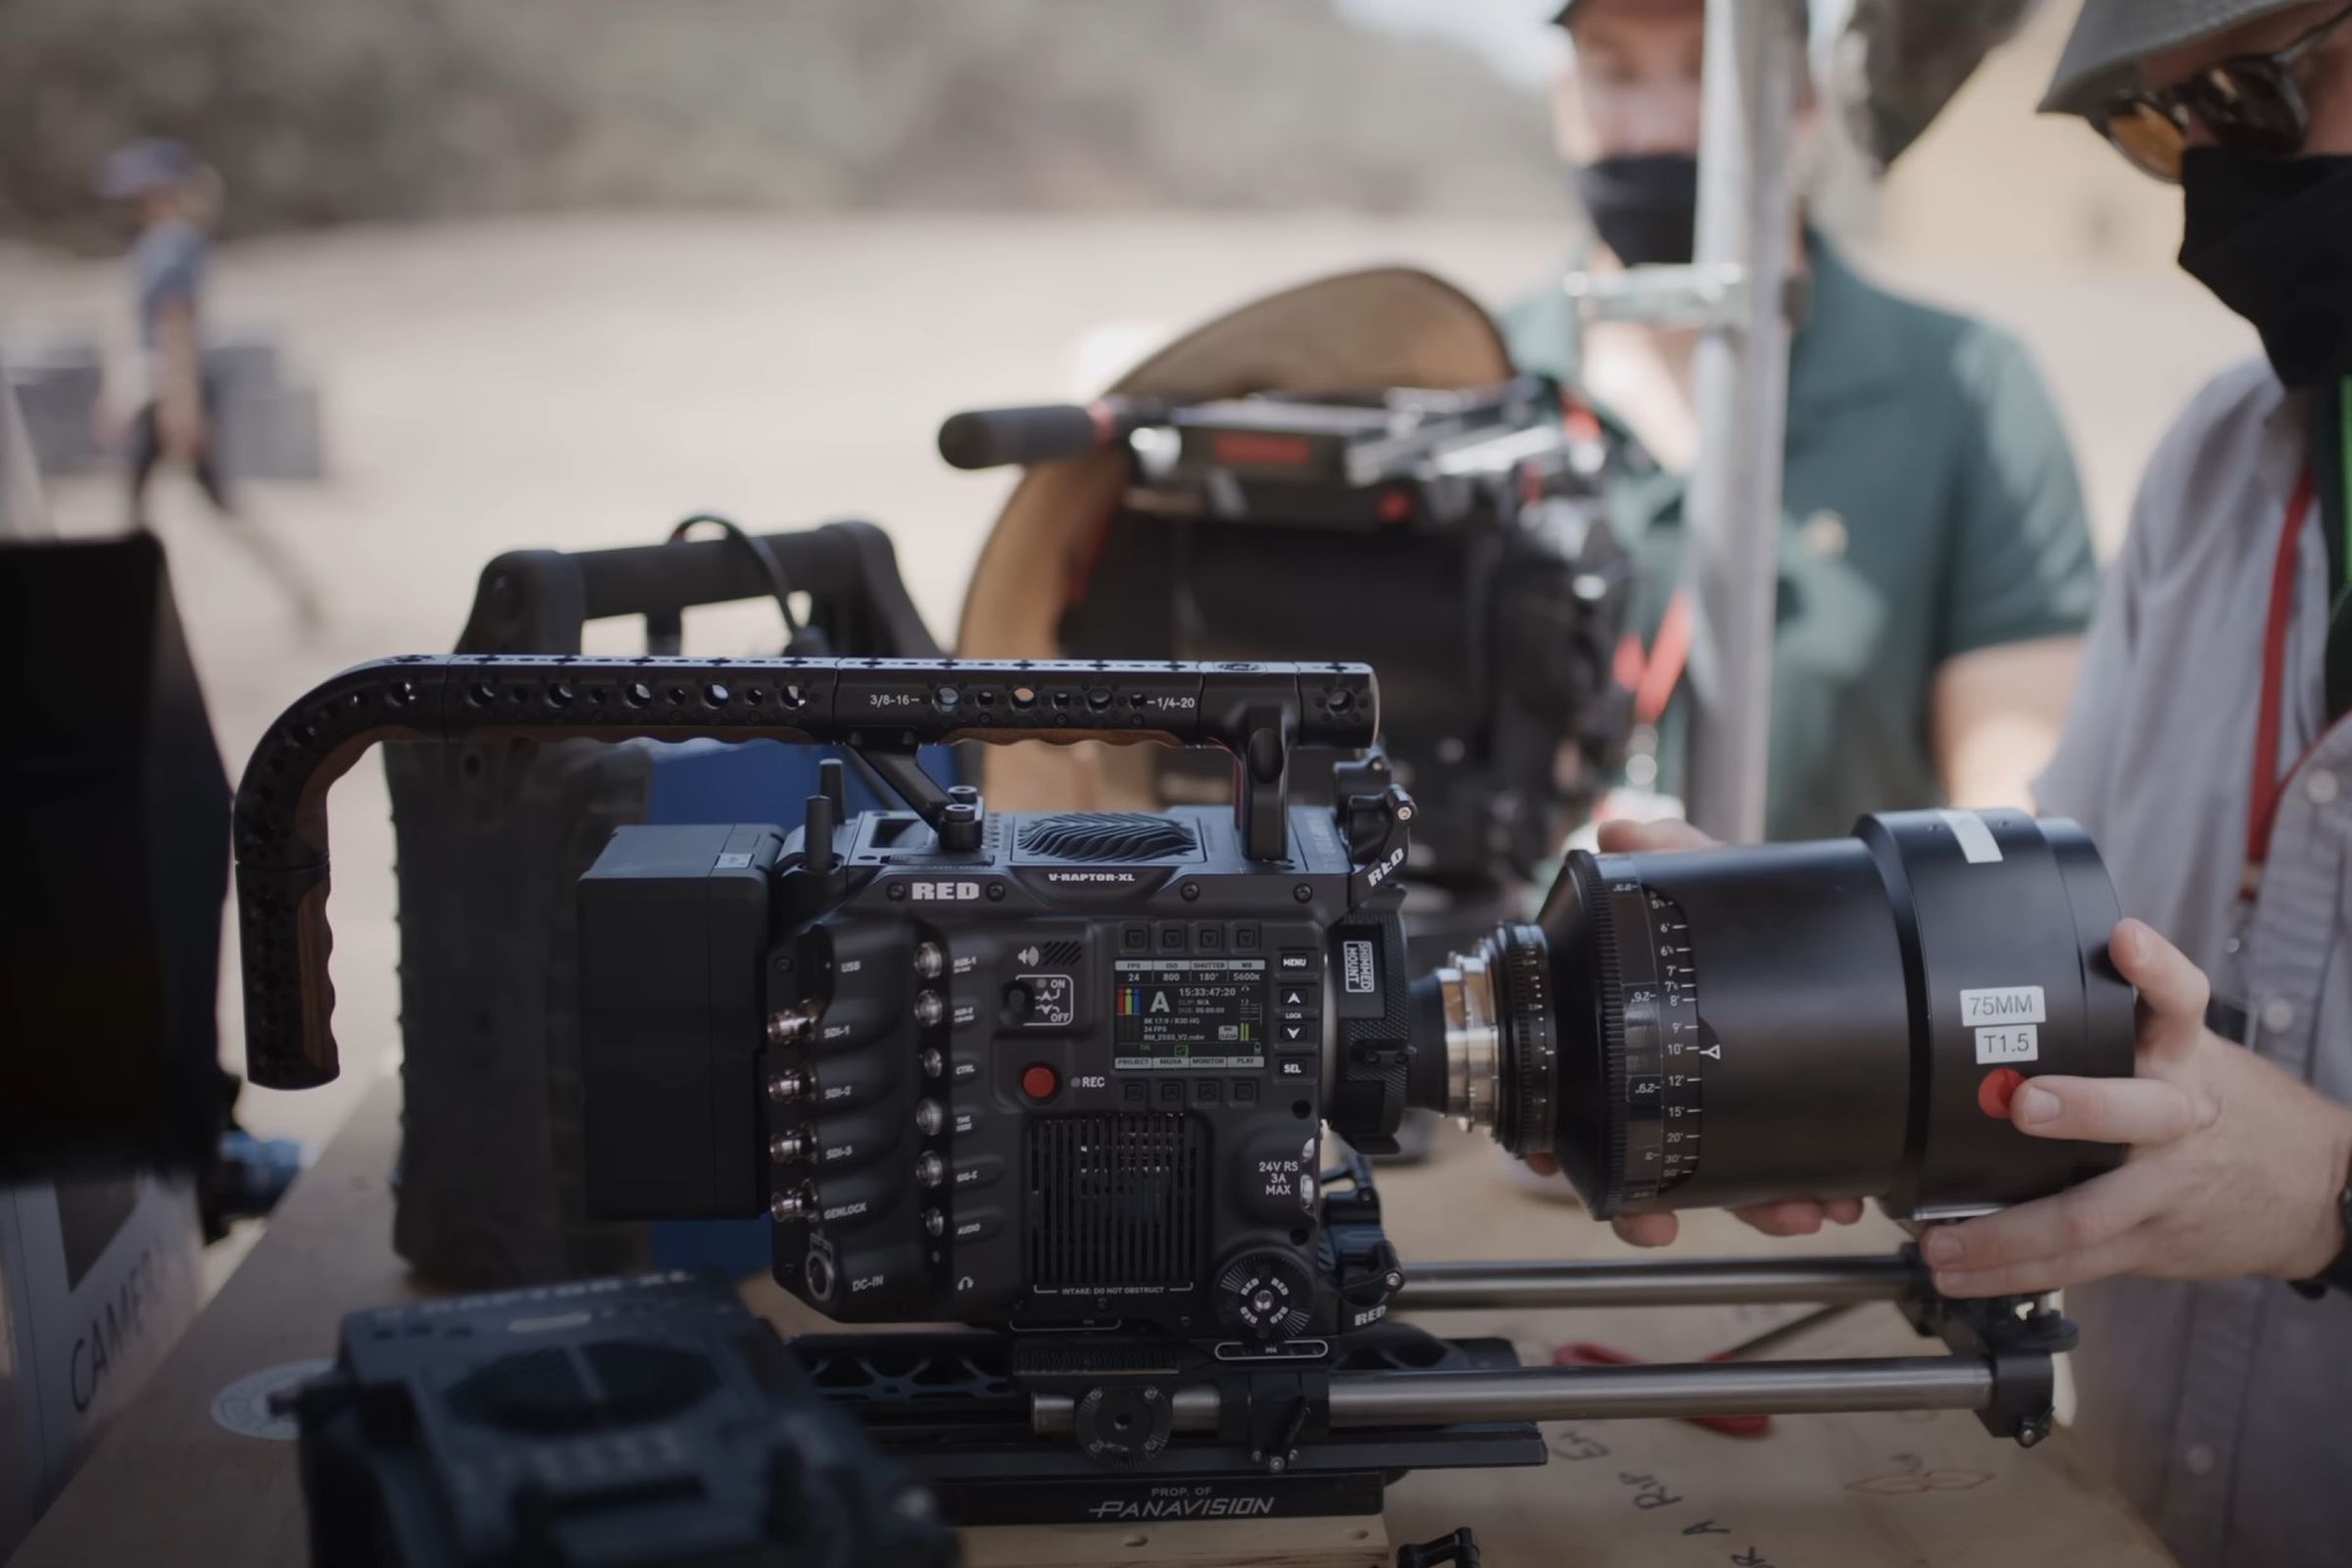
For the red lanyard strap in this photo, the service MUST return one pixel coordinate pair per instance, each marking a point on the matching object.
(2268, 783)
(1652, 676)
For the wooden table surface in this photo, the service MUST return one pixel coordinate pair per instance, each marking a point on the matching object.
(174, 1483)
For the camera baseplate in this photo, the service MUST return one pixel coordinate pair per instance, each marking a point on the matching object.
(957, 1410)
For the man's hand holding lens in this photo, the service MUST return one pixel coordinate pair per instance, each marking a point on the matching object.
(2235, 1168)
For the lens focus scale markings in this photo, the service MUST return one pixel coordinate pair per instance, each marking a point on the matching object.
(1659, 1082)
(1685, 1044)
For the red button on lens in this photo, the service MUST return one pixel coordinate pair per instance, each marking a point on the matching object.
(1038, 1081)
(1996, 1091)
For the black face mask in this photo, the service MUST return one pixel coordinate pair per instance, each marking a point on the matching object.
(2272, 238)
(1645, 205)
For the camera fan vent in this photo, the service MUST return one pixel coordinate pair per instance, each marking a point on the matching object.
(1116, 1201)
(1105, 836)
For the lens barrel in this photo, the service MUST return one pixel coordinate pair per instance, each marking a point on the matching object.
(1840, 1018)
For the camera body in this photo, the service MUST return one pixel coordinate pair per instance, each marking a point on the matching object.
(1073, 1075)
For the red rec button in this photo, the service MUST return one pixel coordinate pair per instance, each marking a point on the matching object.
(1039, 1081)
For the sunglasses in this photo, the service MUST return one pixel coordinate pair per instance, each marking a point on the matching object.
(2249, 102)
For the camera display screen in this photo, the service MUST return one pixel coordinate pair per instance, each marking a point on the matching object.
(1208, 1013)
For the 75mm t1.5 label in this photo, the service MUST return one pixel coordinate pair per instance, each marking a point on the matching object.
(2006, 1021)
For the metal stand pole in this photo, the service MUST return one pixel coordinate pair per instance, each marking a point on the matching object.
(1747, 219)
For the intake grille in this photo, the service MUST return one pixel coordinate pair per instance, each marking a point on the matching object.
(1115, 1200)
(1098, 835)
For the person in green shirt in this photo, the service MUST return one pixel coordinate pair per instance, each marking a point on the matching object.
(1935, 566)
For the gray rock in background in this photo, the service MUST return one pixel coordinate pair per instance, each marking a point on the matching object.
(267, 427)
(56, 382)
(23, 512)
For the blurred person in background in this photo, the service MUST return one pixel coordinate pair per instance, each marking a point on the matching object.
(2209, 752)
(1936, 562)
(173, 198)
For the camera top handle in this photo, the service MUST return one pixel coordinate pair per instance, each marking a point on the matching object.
(888, 707)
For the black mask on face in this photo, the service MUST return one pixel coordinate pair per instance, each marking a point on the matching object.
(2272, 238)
(1645, 205)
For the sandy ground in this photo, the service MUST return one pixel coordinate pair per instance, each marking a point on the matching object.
(586, 381)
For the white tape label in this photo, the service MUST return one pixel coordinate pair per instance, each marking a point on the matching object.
(2000, 1005)
(2017, 1042)
(1975, 839)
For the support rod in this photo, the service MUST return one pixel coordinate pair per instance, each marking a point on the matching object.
(1712, 1282)
(1603, 1393)
(1594, 1393)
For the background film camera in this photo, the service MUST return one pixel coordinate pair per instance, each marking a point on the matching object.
(1453, 539)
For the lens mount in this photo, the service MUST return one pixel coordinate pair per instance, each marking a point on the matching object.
(1501, 1057)
(1473, 1040)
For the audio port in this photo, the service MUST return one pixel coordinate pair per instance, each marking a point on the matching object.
(928, 1009)
(934, 1222)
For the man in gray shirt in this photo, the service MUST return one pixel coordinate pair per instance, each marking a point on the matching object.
(2209, 752)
